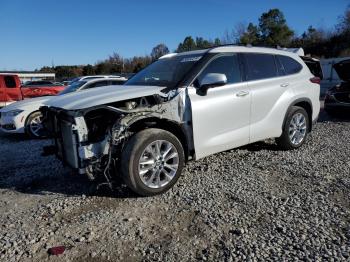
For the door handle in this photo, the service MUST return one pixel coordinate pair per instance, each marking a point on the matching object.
(284, 84)
(242, 93)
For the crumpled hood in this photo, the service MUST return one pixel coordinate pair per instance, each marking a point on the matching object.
(27, 103)
(102, 95)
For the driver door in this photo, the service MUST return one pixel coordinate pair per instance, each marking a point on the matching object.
(220, 118)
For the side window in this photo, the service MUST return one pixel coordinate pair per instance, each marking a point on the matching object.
(97, 84)
(227, 65)
(260, 66)
(10, 81)
(290, 65)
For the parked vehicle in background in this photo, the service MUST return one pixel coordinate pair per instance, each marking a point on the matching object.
(96, 77)
(331, 77)
(337, 100)
(184, 106)
(41, 88)
(11, 89)
(25, 117)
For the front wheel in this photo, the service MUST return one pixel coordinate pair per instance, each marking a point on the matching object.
(295, 129)
(34, 126)
(152, 161)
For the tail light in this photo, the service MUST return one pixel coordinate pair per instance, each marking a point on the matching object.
(315, 80)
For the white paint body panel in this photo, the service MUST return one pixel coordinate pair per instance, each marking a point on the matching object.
(220, 119)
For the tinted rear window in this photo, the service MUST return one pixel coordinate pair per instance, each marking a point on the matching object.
(260, 66)
(10, 81)
(290, 65)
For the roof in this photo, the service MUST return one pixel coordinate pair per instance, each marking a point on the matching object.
(252, 49)
(241, 49)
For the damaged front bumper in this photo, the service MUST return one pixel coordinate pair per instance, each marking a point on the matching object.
(70, 139)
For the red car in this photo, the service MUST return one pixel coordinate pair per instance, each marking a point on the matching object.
(11, 89)
(41, 88)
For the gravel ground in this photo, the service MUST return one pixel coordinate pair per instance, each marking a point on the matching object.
(253, 203)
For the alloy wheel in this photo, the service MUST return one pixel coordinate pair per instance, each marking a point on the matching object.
(36, 126)
(297, 129)
(158, 164)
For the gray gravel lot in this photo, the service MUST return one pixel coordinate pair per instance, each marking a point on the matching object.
(253, 203)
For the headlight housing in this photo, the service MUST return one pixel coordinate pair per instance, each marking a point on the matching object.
(12, 112)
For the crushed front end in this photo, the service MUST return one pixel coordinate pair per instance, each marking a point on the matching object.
(91, 140)
(79, 141)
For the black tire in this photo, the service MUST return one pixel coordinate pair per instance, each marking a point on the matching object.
(28, 129)
(284, 141)
(132, 153)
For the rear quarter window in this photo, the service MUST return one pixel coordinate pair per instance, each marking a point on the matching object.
(260, 66)
(290, 65)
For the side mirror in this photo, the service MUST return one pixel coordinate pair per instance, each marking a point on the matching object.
(211, 80)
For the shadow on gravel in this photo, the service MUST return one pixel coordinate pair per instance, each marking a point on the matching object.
(73, 185)
(261, 145)
(70, 185)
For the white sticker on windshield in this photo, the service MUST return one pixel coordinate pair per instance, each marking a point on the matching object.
(190, 59)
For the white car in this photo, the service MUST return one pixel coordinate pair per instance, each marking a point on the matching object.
(24, 116)
(184, 107)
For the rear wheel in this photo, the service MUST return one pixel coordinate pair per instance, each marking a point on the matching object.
(295, 129)
(152, 161)
(34, 127)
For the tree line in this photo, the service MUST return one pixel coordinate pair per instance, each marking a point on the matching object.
(272, 30)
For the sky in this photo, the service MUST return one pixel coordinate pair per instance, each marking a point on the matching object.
(36, 33)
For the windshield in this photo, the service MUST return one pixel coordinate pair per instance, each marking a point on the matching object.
(166, 72)
(72, 87)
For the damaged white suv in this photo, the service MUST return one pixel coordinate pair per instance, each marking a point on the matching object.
(184, 107)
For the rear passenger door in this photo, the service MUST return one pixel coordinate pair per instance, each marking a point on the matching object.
(270, 90)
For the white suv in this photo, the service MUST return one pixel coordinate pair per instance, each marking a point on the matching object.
(184, 107)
